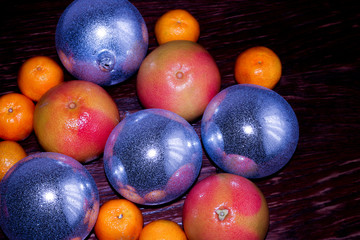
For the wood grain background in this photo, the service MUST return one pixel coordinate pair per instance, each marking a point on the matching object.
(316, 195)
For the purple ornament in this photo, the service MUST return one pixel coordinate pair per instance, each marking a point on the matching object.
(48, 196)
(249, 130)
(152, 157)
(101, 41)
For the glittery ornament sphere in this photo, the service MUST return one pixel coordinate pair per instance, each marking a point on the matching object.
(152, 157)
(249, 130)
(102, 41)
(48, 196)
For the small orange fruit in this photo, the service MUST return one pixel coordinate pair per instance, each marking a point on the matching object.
(162, 230)
(258, 65)
(10, 153)
(37, 75)
(118, 219)
(177, 24)
(16, 116)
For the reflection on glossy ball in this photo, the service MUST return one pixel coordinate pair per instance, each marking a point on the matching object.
(249, 130)
(152, 157)
(102, 41)
(48, 196)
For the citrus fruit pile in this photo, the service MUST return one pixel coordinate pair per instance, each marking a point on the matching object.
(76, 118)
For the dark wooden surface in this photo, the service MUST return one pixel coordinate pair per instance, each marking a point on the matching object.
(316, 196)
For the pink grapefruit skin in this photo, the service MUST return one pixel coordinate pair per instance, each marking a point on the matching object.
(225, 206)
(179, 76)
(75, 118)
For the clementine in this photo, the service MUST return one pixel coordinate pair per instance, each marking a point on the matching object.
(37, 75)
(258, 65)
(10, 153)
(16, 116)
(162, 230)
(118, 219)
(177, 24)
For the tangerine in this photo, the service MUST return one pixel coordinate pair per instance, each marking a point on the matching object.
(177, 24)
(258, 65)
(162, 229)
(118, 219)
(16, 116)
(37, 75)
(10, 153)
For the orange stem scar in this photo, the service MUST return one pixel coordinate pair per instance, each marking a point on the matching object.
(72, 105)
(222, 213)
(179, 75)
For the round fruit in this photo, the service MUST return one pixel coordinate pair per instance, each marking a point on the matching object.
(177, 24)
(37, 75)
(48, 196)
(75, 118)
(101, 41)
(119, 219)
(10, 153)
(179, 76)
(225, 206)
(16, 116)
(162, 229)
(152, 156)
(249, 130)
(258, 65)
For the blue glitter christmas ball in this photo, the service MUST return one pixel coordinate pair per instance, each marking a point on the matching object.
(152, 156)
(249, 130)
(48, 196)
(102, 41)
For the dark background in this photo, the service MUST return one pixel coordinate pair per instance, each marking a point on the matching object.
(316, 195)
